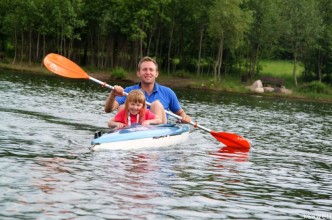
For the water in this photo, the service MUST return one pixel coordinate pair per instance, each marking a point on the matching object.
(48, 171)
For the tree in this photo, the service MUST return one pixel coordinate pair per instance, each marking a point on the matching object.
(228, 23)
(319, 60)
(302, 22)
(264, 32)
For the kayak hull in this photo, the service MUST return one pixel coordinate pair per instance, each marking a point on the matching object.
(138, 136)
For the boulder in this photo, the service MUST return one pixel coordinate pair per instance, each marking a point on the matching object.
(257, 87)
(268, 89)
(286, 91)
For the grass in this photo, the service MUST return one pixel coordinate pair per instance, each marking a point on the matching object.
(280, 68)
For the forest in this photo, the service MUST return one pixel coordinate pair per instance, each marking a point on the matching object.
(205, 38)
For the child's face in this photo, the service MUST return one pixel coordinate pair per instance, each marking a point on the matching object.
(134, 107)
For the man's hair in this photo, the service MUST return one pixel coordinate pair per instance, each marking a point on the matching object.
(144, 59)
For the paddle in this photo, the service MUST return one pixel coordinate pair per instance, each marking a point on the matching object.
(64, 67)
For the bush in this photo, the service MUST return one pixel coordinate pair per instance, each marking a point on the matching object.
(182, 74)
(315, 87)
(119, 73)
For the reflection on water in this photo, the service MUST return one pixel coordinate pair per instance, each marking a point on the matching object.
(48, 172)
(230, 153)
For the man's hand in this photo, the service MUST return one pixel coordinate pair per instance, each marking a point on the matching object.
(117, 91)
(186, 119)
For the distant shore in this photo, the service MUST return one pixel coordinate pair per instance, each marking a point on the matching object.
(171, 81)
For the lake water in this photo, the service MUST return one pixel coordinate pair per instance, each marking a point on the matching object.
(48, 171)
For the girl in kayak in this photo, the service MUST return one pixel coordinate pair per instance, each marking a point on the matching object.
(135, 112)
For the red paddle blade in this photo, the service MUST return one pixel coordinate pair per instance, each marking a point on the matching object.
(64, 67)
(231, 140)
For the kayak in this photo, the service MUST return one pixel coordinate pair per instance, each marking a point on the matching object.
(138, 136)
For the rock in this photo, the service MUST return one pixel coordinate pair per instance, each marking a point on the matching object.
(268, 89)
(257, 84)
(257, 87)
(286, 91)
(259, 90)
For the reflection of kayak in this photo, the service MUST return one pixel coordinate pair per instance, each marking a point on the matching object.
(138, 136)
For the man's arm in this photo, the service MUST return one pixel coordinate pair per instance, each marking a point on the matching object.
(111, 104)
(175, 105)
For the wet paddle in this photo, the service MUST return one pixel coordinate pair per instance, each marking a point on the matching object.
(64, 67)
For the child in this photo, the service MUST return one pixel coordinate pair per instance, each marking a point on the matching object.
(135, 111)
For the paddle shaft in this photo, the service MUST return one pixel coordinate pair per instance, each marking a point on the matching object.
(104, 84)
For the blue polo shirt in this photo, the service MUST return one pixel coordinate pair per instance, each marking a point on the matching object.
(165, 95)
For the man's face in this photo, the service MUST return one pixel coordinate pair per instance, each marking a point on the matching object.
(148, 72)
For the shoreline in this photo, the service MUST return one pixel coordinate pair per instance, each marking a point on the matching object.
(171, 81)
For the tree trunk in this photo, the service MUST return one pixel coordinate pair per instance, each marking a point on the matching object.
(157, 44)
(246, 63)
(65, 52)
(44, 48)
(294, 68)
(30, 46)
(200, 51)
(320, 63)
(149, 43)
(22, 48)
(140, 47)
(15, 46)
(169, 49)
(37, 46)
(220, 54)
(215, 72)
(254, 61)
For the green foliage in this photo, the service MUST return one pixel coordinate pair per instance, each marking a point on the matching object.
(229, 22)
(119, 73)
(315, 87)
(176, 61)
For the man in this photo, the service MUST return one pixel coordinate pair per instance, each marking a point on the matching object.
(160, 97)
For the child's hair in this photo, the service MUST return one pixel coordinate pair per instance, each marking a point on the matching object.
(136, 96)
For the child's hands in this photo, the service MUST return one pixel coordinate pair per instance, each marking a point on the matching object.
(119, 125)
(147, 122)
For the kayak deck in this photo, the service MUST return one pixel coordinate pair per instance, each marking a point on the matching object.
(138, 136)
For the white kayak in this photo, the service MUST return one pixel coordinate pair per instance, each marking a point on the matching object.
(138, 136)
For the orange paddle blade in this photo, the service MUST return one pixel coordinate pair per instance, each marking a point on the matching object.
(231, 140)
(64, 67)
